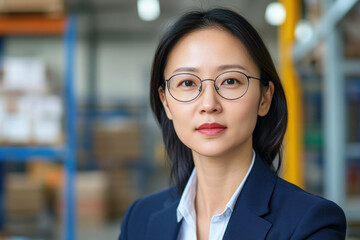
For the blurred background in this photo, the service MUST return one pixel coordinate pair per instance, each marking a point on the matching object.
(78, 142)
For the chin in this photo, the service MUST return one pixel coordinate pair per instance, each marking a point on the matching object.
(211, 152)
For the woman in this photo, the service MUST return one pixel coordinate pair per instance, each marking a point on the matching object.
(222, 110)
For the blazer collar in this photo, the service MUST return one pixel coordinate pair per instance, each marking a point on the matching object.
(246, 221)
(163, 224)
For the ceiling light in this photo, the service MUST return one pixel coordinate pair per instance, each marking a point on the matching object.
(148, 10)
(303, 31)
(275, 14)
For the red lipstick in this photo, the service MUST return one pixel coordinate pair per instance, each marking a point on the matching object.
(211, 129)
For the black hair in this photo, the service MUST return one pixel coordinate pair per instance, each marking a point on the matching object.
(269, 130)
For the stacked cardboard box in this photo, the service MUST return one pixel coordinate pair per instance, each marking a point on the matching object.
(91, 196)
(34, 6)
(24, 203)
(117, 141)
(24, 196)
(29, 112)
(123, 190)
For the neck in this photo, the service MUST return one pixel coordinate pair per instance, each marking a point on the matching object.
(218, 179)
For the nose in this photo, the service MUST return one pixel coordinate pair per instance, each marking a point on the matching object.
(209, 98)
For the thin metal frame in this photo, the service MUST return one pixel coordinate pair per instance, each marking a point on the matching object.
(209, 79)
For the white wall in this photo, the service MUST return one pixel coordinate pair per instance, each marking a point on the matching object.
(124, 69)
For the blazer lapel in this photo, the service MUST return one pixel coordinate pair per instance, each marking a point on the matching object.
(246, 221)
(247, 226)
(163, 224)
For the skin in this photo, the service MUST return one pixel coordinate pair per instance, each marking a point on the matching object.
(221, 160)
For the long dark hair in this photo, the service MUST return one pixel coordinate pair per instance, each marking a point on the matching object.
(269, 130)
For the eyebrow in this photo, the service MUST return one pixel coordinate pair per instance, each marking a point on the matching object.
(220, 68)
(186, 69)
(230, 66)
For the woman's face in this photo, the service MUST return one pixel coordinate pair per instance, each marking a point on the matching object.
(211, 125)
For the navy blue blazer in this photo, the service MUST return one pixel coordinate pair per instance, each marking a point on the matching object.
(267, 208)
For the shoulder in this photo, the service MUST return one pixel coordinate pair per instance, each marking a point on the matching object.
(138, 214)
(156, 201)
(310, 216)
(290, 195)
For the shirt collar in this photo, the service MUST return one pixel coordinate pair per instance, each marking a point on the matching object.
(186, 206)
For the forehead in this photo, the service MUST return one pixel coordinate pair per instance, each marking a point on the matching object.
(207, 49)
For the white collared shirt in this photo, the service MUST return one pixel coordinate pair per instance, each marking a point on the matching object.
(186, 210)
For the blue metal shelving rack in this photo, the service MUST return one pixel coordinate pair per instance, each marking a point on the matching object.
(65, 153)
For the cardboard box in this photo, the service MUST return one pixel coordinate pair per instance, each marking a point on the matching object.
(117, 143)
(92, 195)
(24, 74)
(32, 6)
(24, 196)
(31, 119)
(123, 190)
(16, 129)
(47, 131)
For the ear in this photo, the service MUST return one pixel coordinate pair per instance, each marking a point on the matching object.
(266, 99)
(164, 102)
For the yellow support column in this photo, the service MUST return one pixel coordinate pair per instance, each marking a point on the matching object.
(293, 144)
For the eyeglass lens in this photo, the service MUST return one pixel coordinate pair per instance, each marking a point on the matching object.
(186, 86)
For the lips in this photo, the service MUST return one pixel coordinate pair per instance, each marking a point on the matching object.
(211, 129)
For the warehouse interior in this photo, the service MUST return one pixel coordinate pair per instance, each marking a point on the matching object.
(78, 140)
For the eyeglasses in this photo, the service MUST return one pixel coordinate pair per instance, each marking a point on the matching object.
(230, 85)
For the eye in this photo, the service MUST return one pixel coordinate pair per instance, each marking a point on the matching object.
(187, 83)
(230, 81)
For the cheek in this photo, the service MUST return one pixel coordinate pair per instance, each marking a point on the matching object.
(183, 130)
(182, 117)
(245, 113)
